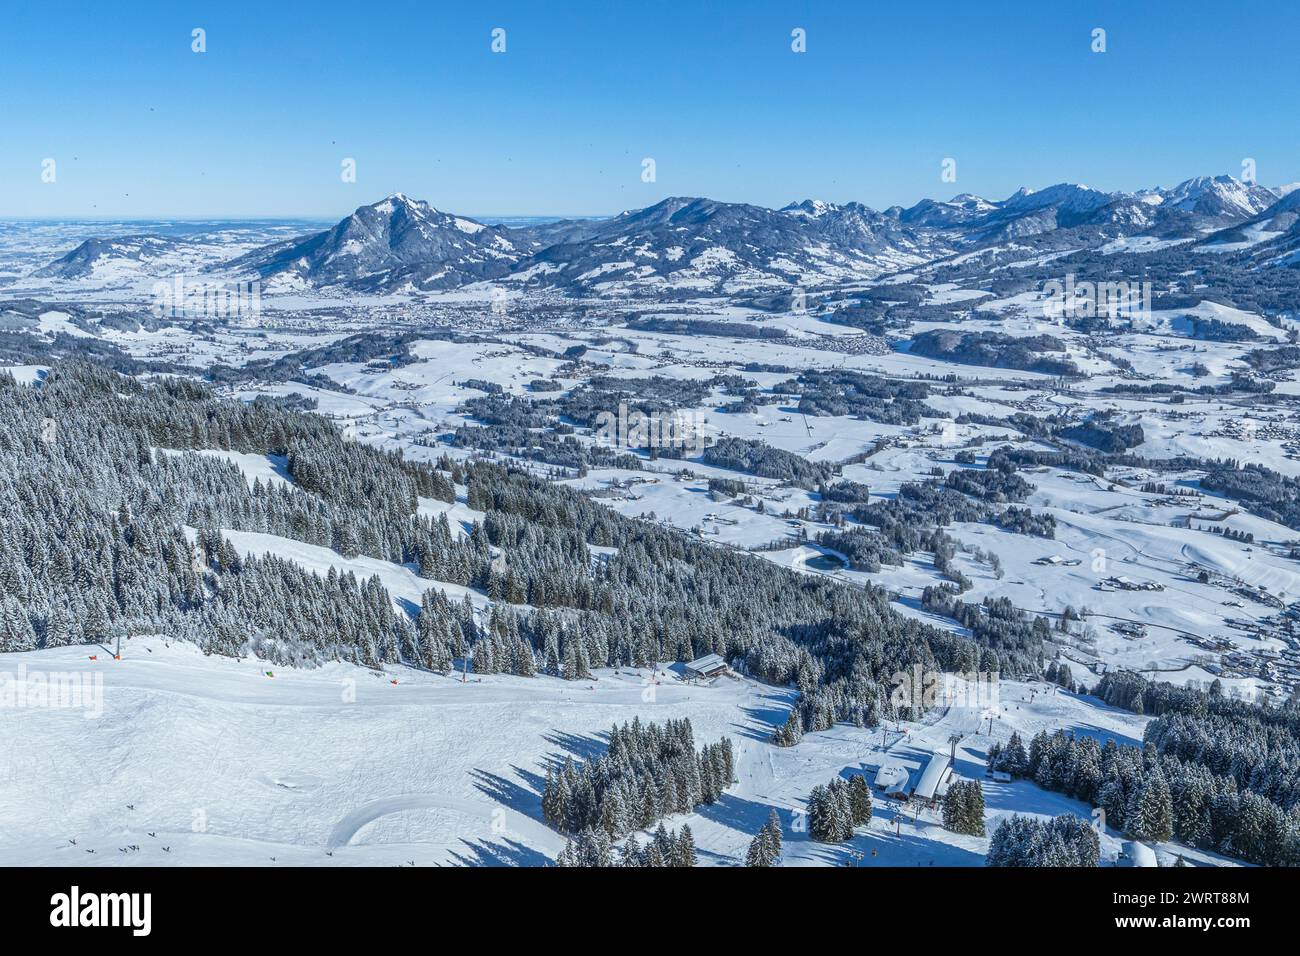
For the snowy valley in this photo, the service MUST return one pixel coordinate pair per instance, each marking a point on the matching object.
(353, 540)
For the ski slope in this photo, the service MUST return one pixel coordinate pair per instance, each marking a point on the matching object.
(200, 760)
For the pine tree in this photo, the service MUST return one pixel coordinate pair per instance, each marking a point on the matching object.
(830, 812)
(761, 852)
(613, 817)
(860, 798)
(963, 808)
(631, 854)
(1013, 759)
(593, 849)
(974, 818)
(954, 808)
(790, 733)
(1150, 810)
(774, 832)
(821, 826)
(686, 848)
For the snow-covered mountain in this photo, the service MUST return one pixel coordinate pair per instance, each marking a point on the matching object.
(1190, 210)
(1271, 237)
(694, 246)
(973, 220)
(127, 252)
(1218, 197)
(392, 244)
(1067, 199)
(962, 208)
(105, 258)
(855, 226)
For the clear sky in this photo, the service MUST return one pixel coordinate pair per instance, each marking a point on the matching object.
(139, 125)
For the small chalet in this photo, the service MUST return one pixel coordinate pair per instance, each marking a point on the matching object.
(706, 668)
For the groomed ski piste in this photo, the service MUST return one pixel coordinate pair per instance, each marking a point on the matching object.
(172, 757)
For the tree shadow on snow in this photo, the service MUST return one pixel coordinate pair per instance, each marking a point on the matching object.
(1103, 734)
(905, 850)
(504, 853)
(738, 813)
(715, 859)
(969, 768)
(525, 798)
(764, 719)
(578, 746)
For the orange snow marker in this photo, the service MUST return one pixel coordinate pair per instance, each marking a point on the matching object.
(117, 657)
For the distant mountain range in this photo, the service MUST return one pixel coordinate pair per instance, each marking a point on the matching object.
(686, 246)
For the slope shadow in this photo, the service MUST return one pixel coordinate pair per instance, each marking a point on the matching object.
(1103, 734)
(717, 859)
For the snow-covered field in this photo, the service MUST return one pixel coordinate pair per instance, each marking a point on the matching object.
(180, 759)
(227, 764)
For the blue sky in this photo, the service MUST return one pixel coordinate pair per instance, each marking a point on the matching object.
(141, 126)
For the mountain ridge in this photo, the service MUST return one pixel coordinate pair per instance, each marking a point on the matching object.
(687, 245)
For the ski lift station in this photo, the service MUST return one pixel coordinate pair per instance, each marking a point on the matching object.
(935, 779)
(928, 783)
